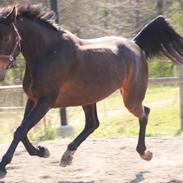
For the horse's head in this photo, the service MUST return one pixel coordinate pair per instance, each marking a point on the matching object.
(9, 42)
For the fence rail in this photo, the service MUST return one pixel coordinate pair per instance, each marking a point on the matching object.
(173, 80)
(161, 80)
(10, 87)
(166, 80)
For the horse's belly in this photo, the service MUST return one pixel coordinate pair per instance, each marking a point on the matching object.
(77, 94)
(91, 81)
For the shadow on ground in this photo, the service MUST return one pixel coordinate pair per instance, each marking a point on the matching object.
(139, 177)
(175, 181)
(75, 182)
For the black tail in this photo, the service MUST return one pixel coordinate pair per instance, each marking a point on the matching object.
(159, 37)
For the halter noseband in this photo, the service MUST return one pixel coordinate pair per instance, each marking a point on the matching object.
(12, 56)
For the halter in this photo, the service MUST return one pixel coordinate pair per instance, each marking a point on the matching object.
(12, 56)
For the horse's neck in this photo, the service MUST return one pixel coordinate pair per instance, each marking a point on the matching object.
(36, 39)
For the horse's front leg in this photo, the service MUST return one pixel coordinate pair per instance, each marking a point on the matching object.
(38, 111)
(33, 151)
(91, 123)
(141, 147)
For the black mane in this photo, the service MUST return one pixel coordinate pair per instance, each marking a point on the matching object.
(36, 12)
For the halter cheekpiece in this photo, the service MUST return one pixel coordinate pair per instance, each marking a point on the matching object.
(12, 56)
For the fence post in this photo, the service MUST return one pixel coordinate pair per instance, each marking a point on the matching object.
(64, 130)
(181, 96)
(54, 7)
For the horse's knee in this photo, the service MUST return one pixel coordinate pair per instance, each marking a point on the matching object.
(136, 110)
(95, 125)
(144, 118)
(20, 133)
(92, 125)
(147, 110)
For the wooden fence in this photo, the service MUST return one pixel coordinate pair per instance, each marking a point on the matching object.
(12, 89)
(162, 80)
(172, 80)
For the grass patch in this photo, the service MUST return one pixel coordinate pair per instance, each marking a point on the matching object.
(164, 118)
(114, 118)
(49, 133)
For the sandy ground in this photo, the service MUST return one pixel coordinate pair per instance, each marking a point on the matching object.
(109, 160)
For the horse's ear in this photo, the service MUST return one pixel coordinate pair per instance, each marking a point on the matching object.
(12, 16)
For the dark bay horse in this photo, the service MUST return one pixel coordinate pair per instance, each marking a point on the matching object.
(63, 70)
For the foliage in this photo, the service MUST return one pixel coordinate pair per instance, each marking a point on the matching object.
(115, 120)
(15, 75)
(162, 68)
(90, 19)
(49, 133)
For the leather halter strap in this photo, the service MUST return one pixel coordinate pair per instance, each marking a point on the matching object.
(12, 56)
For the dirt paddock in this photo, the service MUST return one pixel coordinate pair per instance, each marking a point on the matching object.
(101, 160)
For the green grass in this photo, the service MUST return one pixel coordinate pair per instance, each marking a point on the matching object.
(164, 118)
(49, 133)
(114, 118)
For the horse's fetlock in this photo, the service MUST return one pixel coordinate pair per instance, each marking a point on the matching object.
(31, 153)
(141, 149)
(5, 160)
(72, 147)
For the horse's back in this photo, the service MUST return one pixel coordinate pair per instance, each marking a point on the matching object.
(115, 54)
(101, 67)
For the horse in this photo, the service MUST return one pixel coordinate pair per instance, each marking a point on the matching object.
(63, 70)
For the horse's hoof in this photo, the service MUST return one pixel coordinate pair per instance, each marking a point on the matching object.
(148, 155)
(66, 158)
(44, 152)
(2, 173)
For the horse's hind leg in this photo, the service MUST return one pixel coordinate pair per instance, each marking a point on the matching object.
(133, 102)
(141, 147)
(91, 124)
(142, 113)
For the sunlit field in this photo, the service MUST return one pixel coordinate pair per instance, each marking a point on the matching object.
(114, 118)
(164, 118)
